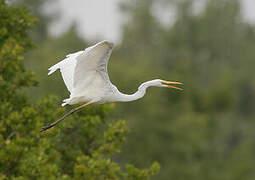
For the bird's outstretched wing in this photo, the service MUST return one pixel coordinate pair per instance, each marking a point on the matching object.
(86, 68)
(91, 68)
(66, 67)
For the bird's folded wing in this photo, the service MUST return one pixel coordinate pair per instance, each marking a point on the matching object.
(91, 67)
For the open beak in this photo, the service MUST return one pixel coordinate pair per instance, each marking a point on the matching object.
(170, 84)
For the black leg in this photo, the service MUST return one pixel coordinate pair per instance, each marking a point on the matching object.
(62, 118)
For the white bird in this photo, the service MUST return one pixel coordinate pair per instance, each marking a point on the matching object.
(86, 78)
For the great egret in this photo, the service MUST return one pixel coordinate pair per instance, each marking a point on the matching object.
(85, 76)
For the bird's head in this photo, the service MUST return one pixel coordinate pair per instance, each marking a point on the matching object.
(164, 83)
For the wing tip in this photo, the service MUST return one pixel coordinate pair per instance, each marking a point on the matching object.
(52, 69)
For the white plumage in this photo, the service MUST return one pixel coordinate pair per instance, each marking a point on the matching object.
(67, 69)
(86, 78)
(85, 73)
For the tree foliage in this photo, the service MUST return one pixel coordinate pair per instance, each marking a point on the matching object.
(80, 148)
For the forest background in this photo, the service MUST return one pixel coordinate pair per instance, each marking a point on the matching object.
(204, 132)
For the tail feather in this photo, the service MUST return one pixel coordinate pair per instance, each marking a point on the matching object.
(65, 102)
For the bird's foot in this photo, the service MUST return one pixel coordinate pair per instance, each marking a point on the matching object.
(46, 127)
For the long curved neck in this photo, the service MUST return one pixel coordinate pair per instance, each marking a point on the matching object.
(137, 95)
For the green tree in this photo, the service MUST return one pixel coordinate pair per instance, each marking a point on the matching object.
(80, 148)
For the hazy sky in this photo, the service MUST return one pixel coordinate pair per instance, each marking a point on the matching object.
(101, 19)
(95, 18)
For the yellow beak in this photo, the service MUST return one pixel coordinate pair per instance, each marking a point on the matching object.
(170, 83)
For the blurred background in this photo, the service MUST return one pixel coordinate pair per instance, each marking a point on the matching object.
(206, 131)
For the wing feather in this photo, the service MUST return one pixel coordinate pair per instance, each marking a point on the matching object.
(91, 68)
(85, 72)
(66, 67)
